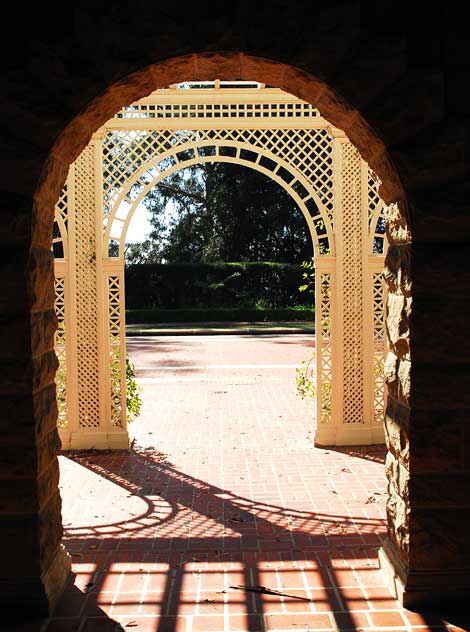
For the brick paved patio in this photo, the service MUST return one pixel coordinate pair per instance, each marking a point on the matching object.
(224, 516)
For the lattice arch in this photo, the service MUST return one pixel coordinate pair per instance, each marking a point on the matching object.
(264, 129)
(376, 215)
(149, 175)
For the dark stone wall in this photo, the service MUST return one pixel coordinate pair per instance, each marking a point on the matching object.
(394, 76)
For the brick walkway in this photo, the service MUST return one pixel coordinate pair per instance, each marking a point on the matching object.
(225, 517)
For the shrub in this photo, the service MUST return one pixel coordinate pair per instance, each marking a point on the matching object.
(211, 285)
(133, 400)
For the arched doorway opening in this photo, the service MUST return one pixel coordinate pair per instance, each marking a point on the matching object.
(127, 195)
(361, 136)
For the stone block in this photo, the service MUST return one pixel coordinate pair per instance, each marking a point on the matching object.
(398, 523)
(15, 336)
(27, 495)
(43, 328)
(436, 157)
(439, 490)
(266, 71)
(383, 57)
(72, 141)
(41, 222)
(40, 268)
(441, 329)
(14, 299)
(437, 440)
(391, 189)
(440, 215)
(397, 216)
(397, 271)
(213, 65)
(398, 311)
(413, 103)
(27, 415)
(51, 179)
(50, 529)
(440, 270)
(398, 477)
(397, 419)
(440, 387)
(308, 88)
(20, 552)
(439, 538)
(15, 224)
(364, 138)
(17, 462)
(27, 374)
(44, 368)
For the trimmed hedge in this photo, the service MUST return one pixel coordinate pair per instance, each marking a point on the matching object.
(210, 285)
(143, 316)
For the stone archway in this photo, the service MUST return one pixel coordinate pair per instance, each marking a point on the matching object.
(406, 516)
(211, 67)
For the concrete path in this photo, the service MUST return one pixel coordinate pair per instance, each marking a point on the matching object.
(213, 329)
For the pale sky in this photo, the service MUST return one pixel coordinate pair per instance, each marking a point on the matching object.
(140, 226)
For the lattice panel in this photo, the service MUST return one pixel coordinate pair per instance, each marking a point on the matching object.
(374, 200)
(59, 236)
(127, 152)
(115, 356)
(60, 350)
(376, 213)
(86, 297)
(325, 348)
(378, 298)
(217, 110)
(351, 235)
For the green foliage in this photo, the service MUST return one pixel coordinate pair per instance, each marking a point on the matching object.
(304, 379)
(308, 277)
(147, 251)
(304, 375)
(133, 390)
(207, 285)
(222, 212)
(142, 316)
(61, 384)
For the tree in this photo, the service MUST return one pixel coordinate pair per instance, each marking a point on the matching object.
(222, 212)
(147, 251)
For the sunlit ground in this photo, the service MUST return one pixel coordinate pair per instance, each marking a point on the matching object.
(224, 516)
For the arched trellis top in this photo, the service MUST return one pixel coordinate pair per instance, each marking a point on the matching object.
(266, 129)
(301, 191)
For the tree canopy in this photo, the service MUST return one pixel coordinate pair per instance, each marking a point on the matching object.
(222, 212)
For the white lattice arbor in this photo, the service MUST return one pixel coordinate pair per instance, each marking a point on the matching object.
(267, 130)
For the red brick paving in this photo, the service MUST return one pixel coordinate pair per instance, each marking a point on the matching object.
(224, 516)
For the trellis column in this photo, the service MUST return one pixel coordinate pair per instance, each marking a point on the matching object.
(92, 422)
(348, 339)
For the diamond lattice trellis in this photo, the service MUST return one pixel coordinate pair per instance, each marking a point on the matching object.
(115, 356)
(376, 214)
(378, 293)
(61, 351)
(325, 348)
(60, 236)
(293, 145)
(351, 227)
(86, 291)
(127, 153)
